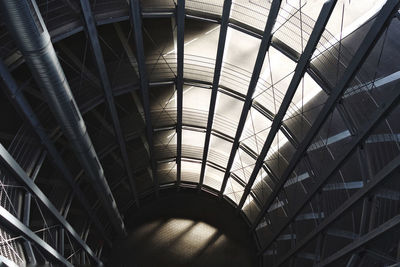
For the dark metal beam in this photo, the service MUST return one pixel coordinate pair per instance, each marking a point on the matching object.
(136, 23)
(368, 43)
(22, 105)
(388, 172)
(301, 68)
(25, 24)
(180, 22)
(361, 54)
(217, 74)
(22, 177)
(16, 225)
(264, 46)
(362, 241)
(27, 209)
(108, 94)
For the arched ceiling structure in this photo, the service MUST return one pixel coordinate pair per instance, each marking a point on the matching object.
(284, 109)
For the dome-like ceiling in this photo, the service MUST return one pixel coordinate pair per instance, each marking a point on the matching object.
(285, 109)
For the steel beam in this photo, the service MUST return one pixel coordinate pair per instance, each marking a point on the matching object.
(138, 103)
(16, 225)
(264, 47)
(380, 22)
(362, 241)
(388, 172)
(375, 31)
(180, 22)
(25, 24)
(301, 68)
(23, 178)
(136, 23)
(27, 209)
(217, 74)
(5, 262)
(22, 105)
(108, 94)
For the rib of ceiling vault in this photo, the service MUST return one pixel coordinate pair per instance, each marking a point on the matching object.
(385, 174)
(217, 74)
(98, 56)
(136, 23)
(22, 104)
(300, 154)
(133, 62)
(301, 67)
(369, 41)
(14, 167)
(264, 46)
(15, 224)
(180, 22)
(33, 40)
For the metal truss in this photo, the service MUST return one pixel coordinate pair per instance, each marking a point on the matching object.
(362, 241)
(23, 178)
(217, 74)
(16, 225)
(105, 81)
(301, 67)
(136, 23)
(180, 21)
(22, 105)
(388, 172)
(264, 46)
(361, 54)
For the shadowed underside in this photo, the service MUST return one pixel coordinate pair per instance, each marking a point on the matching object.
(199, 133)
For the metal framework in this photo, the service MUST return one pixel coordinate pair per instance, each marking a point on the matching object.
(180, 22)
(136, 23)
(19, 173)
(108, 94)
(359, 136)
(217, 74)
(264, 46)
(388, 172)
(375, 31)
(27, 208)
(301, 67)
(22, 104)
(15, 224)
(362, 241)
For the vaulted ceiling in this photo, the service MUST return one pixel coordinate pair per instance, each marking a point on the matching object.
(286, 110)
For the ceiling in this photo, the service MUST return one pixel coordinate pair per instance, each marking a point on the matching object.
(286, 110)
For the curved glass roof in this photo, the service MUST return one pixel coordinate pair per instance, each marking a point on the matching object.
(250, 100)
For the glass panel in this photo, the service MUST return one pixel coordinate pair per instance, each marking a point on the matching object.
(237, 68)
(201, 41)
(209, 6)
(233, 190)
(163, 105)
(166, 172)
(213, 178)
(190, 171)
(196, 103)
(243, 165)
(255, 131)
(219, 151)
(192, 144)
(227, 114)
(164, 144)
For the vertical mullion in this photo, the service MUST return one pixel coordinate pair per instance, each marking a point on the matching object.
(264, 46)
(179, 85)
(98, 57)
(361, 54)
(217, 74)
(301, 68)
(136, 21)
